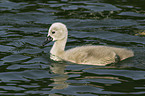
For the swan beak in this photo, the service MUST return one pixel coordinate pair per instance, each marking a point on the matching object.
(47, 40)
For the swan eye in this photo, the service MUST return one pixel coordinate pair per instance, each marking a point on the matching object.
(53, 32)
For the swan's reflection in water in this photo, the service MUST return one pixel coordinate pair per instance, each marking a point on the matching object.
(61, 76)
(62, 79)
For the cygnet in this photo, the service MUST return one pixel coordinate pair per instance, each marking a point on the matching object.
(90, 55)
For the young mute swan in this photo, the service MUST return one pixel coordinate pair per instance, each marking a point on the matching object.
(90, 55)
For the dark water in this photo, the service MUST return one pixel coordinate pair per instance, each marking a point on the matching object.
(25, 67)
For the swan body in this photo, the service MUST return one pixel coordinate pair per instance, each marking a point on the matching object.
(90, 55)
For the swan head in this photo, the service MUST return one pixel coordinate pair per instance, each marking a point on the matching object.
(57, 31)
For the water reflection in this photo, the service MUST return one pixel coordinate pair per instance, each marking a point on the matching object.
(90, 78)
(61, 76)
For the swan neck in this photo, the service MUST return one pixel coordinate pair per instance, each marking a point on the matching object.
(58, 47)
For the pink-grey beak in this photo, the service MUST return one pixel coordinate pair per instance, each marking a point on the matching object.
(47, 40)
